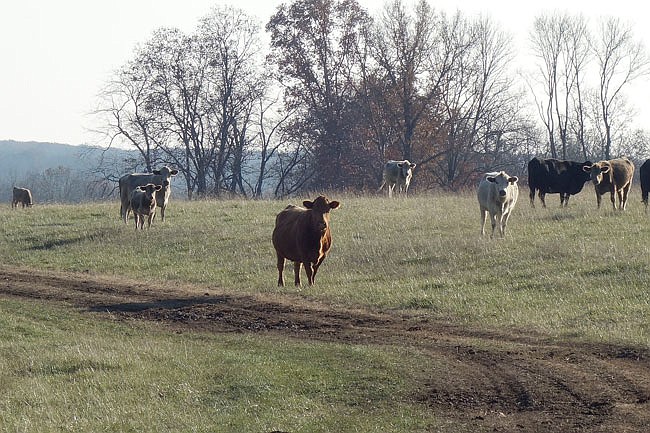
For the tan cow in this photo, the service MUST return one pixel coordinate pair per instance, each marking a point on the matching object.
(22, 196)
(129, 182)
(397, 174)
(303, 236)
(497, 195)
(613, 176)
(143, 203)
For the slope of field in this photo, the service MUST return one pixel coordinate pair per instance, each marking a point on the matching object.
(543, 331)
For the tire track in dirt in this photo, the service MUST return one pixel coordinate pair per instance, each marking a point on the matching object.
(487, 379)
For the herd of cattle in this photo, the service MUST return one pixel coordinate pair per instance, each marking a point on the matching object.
(302, 234)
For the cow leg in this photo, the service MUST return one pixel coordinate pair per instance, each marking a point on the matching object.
(504, 223)
(612, 196)
(296, 273)
(390, 190)
(566, 199)
(316, 266)
(542, 198)
(598, 200)
(124, 211)
(149, 220)
(625, 192)
(280, 265)
(531, 195)
(162, 213)
(483, 218)
(311, 273)
(493, 220)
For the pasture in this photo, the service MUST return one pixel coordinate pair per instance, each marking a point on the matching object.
(566, 277)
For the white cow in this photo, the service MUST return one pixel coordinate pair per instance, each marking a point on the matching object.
(497, 195)
(129, 182)
(397, 173)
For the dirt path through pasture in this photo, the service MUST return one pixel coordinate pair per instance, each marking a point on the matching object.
(487, 380)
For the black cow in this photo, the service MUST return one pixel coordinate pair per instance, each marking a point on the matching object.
(644, 177)
(552, 176)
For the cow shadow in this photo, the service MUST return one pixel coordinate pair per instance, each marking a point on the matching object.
(49, 244)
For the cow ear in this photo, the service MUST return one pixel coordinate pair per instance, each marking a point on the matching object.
(158, 187)
(174, 172)
(334, 204)
(513, 179)
(156, 172)
(308, 204)
(400, 164)
(604, 169)
(490, 179)
(413, 165)
(587, 168)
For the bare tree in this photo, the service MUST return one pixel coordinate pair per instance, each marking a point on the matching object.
(128, 112)
(402, 44)
(548, 39)
(476, 98)
(620, 60)
(187, 100)
(578, 57)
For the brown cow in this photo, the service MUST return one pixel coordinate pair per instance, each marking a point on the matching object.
(613, 176)
(143, 203)
(23, 196)
(303, 236)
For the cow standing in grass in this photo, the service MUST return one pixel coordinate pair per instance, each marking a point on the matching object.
(22, 196)
(143, 203)
(613, 176)
(551, 176)
(303, 236)
(397, 174)
(129, 182)
(497, 195)
(644, 180)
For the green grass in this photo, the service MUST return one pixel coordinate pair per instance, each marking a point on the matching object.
(61, 371)
(575, 273)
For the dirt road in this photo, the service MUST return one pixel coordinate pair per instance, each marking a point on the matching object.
(491, 380)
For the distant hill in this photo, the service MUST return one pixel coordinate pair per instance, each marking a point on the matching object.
(64, 173)
(19, 158)
(30, 164)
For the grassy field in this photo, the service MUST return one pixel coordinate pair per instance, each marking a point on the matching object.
(576, 273)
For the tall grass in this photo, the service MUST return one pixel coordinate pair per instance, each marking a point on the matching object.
(577, 272)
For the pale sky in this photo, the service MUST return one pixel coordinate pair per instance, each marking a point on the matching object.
(56, 55)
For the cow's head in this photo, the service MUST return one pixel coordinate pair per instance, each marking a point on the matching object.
(166, 173)
(584, 175)
(320, 212)
(597, 170)
(502, 181)
(406, 168)
(149, 189)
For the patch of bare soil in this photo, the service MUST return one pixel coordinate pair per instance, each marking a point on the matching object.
(487, 381)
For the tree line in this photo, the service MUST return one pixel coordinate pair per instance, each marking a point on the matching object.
(326, 93)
